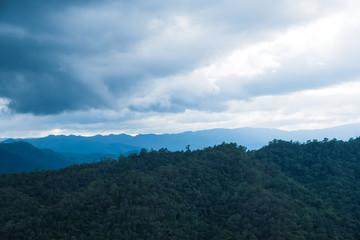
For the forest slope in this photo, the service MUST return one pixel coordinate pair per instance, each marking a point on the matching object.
(22, 156)
(282, 191)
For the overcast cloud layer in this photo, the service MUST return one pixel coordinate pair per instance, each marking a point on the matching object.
(88, 67)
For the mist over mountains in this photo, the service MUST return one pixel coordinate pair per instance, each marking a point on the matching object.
(252, 138)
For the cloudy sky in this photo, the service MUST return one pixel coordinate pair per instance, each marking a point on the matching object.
(151, 66)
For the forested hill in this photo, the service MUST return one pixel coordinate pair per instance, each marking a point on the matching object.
(22, 156)
(285, 190)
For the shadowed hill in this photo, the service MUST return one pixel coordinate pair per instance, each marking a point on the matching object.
(22, 156)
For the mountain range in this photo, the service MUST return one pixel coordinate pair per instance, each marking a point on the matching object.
(54, 152)
(252, 138)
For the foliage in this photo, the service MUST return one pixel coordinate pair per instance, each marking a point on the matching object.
(285, 190)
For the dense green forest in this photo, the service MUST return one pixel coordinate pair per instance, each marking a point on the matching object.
(285, 190)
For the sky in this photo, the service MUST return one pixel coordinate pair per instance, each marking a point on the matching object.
(102, 67)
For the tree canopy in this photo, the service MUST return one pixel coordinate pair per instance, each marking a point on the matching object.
(285, 190)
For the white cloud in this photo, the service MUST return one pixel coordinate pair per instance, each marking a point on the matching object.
(312, 46)
(11, 30)
(307, 109)
(3, 106)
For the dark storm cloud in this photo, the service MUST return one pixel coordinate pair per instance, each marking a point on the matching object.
(76, 55)
(36, 36)
(31, 75)
(46, 94)
(35, 82)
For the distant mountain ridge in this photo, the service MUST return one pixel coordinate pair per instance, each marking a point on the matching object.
(252, 138)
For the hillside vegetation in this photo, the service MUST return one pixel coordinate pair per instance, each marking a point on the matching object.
(22, 156)
(285, 190)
